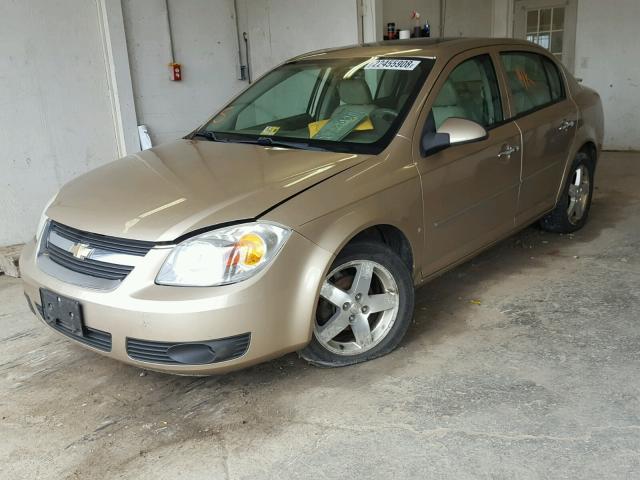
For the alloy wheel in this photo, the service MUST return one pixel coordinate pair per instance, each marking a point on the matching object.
(579, 191)
(357, 308)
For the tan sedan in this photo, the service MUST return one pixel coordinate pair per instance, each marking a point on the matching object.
(303, 214)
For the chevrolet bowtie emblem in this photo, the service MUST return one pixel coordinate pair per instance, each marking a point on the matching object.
(80, 250)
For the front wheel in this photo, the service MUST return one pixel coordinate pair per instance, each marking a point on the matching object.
(572, 210)
(365, 307)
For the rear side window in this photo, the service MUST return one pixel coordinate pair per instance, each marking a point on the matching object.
(555, 82)
(471, 92)
(528, 80)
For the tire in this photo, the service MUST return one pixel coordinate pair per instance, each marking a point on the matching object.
(347, 308)
(572, 210)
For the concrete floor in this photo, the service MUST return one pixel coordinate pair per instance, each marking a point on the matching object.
(524, 363)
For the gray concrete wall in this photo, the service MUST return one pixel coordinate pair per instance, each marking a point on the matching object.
(280, 29)
(502, 23)
(205, 45)
(56, 115)
(608, 59)
(468, 18)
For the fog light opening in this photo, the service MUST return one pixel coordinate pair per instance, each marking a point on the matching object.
(192, 353)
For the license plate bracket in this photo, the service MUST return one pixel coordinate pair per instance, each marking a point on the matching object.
(62, 312)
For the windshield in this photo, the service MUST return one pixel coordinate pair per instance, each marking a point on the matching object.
(347, 105)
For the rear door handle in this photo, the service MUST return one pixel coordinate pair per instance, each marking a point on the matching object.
(566, 125)
(507, 150)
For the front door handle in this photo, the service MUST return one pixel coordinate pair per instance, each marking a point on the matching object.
(507, 150)
(566, 125)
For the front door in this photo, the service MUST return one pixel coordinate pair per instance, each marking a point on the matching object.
(469, 191)
(549, 23)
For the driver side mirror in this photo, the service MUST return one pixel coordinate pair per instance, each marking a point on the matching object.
(454, 131)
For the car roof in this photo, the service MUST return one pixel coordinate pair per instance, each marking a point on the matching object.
(415, 47)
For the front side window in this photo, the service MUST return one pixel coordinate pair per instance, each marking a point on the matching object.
(471, 92)
(353, 104)
(528, 81)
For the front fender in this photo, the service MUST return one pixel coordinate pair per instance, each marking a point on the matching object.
(383, 190)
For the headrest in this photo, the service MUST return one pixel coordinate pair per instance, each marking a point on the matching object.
(447, 96)
(354, 91)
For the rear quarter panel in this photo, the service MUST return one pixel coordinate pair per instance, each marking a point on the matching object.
(590, 127)
(591, 115)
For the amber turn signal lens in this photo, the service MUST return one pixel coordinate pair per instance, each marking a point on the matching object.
(251, 249)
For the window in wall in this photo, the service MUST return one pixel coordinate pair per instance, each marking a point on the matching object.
(471, 91)
(527, 80)
(545, 26)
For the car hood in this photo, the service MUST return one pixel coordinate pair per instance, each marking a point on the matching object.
(165, 192)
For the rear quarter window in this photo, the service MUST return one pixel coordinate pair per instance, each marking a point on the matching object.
(555, 80)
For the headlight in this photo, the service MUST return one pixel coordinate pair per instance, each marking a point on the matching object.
(43, 218)
(223, 256)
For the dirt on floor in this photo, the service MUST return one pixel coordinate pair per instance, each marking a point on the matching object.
(522, 363)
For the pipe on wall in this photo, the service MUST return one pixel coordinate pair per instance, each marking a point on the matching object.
(243, 68)
(246, 49)
(169, 30)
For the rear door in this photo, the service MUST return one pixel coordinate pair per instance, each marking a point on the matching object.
(469, 191)
(547, 119)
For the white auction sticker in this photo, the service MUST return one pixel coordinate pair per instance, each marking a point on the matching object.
(392, 64)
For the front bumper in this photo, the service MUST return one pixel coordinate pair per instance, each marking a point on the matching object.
(273, 311)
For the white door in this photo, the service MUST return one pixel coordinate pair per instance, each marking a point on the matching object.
(551, 24)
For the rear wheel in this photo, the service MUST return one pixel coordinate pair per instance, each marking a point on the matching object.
(364, 309)
(572, 210)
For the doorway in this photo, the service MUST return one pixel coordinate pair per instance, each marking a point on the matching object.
(551, 24)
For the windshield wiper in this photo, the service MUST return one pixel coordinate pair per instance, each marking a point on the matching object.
(270, 142)
(209, 135)
(266, 141)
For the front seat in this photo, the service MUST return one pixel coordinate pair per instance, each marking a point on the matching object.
(447, 105)
(356, 105)
(354, 92)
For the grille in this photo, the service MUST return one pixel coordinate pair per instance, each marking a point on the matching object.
(92, 337)
(158, 352)
(61, 255)
(103, 242)
(95, 268)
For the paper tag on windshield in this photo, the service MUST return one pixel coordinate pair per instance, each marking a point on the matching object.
(269, 130)
(392, 64)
